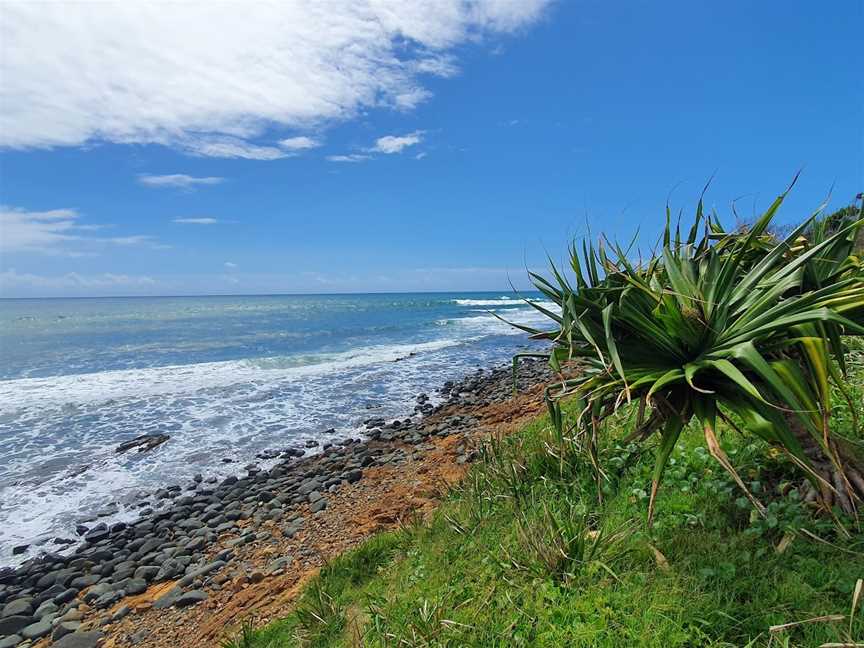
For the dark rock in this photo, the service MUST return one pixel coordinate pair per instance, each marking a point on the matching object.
(256, 577)
(121, 613)
(64, 628)
(168, 599)
(353, 475)
(21, 606)
(96, 535)
(90, 639)
(191, 598)
(14, 624)
(85, 581)
(200, 572)
(48, 607)
(170, 569)
(36, 630)
(135, 586)
(146, 572)
(143, 443)
(20, 549)
(279, 565)
(108, 599)
(66, 595)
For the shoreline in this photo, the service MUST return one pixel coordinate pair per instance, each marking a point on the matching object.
(124, 581)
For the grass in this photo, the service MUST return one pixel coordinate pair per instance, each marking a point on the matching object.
(529, 551)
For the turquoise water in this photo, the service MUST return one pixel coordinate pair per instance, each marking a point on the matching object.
(223, 376)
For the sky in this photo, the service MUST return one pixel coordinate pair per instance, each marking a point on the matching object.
(401, 145)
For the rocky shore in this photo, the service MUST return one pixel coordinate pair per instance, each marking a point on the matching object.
(208, 554)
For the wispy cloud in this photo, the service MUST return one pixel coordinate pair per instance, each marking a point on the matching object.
(36, 231)
(10, 279)
(390, 144)
(314, 63)
(442, 66)
(230, 265)
(139, 239)
(196, 221)
(177, 180)
(56, 231)
(231, 147)
(353, 157)
(299, 143)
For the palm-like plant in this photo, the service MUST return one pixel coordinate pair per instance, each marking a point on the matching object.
(741, 326)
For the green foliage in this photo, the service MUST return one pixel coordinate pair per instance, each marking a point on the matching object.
(721, 325)
(563, 543)
(246, 638)
(469, 579)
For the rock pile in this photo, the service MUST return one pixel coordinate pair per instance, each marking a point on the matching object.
(68, 597)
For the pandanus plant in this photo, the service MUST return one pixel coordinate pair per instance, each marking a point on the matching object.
(740, 326)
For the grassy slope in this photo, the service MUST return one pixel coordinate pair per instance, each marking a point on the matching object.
(484, 571)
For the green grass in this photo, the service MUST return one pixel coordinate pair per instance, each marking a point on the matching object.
(525, 554)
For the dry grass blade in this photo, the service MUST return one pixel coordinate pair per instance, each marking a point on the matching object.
(828, 618)
(856, 596)
(784, 543)
(660, 559)
(717, 452)
(813, 536)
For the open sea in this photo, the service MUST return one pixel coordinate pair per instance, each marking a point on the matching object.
(225, 377)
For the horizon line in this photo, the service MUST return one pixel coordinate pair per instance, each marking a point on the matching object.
(286, 294)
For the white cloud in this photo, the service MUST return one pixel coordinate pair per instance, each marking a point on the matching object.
(442, 66)
(56, 231)
(196, 221)
(139, 239)
(299, 143)
(10, 280)
(396, 143)
(177, 180)
(353, 157)
(134, 72)
(230, 147)
(26, 230)
(230, 265)
(420, 155)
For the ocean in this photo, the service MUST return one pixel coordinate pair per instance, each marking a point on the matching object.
(224, 377)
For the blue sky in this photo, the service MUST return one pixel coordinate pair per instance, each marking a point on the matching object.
(479, 137)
